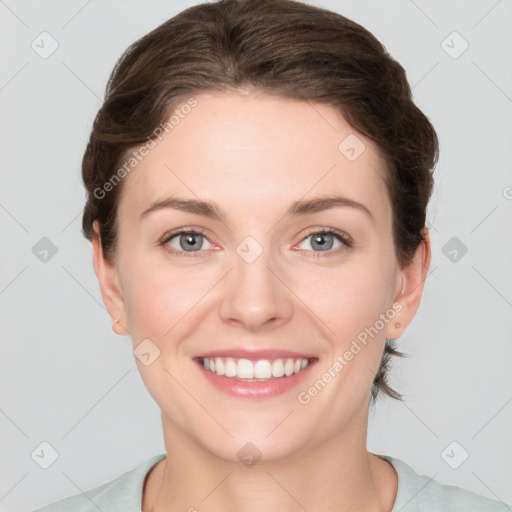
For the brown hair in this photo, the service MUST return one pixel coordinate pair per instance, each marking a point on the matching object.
(279, 47)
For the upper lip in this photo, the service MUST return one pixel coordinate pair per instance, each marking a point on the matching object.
(254, 355)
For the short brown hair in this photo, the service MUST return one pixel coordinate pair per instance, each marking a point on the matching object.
(282, 48)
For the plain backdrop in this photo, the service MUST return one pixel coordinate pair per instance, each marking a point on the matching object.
(67, 380)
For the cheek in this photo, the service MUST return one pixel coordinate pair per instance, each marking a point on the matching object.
(348, 300)
(354, 303)
(160, 297)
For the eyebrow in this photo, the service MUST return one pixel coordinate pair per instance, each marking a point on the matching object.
(298, 208)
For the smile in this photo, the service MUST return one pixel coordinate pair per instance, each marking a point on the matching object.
(260, 370)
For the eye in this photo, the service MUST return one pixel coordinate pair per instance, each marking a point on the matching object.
(323, 241)
(185, 241)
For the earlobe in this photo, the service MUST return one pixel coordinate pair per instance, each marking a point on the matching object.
(111, 292)
(413, 276)
(118, 328)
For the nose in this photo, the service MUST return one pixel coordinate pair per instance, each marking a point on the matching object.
(256, 295)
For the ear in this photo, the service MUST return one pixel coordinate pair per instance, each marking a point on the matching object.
(111, 292)
(412, 278)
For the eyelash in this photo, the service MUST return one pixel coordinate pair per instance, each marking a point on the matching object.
(342, 237)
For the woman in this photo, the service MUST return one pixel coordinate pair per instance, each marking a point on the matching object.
(257, 179)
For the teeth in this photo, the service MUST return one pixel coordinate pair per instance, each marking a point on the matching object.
(288, 367)
(230, 368)
(263, 369)
(245, 369)
(219, 366)
(278, 368)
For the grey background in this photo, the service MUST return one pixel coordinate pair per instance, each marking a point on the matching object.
(68, 380)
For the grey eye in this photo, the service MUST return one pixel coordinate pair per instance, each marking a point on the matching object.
(187, 242)
(323, 241)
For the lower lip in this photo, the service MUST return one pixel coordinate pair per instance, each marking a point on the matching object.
(248, 389)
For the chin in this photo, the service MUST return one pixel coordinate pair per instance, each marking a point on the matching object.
(254, 450)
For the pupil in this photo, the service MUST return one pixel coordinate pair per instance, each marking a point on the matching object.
(190, 240)
(320, 240)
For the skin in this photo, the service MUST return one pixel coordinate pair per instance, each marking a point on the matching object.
(254, 155)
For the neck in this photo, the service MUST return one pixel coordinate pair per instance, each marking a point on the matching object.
(339, 474)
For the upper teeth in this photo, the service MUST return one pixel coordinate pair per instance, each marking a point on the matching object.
(260, 369)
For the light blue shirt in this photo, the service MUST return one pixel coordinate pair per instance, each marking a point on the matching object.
(416, 493)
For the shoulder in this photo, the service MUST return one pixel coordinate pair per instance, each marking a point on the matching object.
(421, 493)
(124, 493)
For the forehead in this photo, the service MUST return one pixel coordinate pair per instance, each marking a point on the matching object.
(247, 151)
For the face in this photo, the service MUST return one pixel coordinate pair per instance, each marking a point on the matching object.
(277, 275)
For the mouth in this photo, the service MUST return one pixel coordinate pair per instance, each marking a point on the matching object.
(254, 378)
(261, 370)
